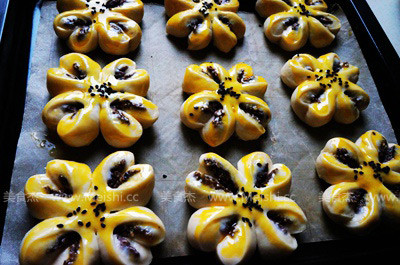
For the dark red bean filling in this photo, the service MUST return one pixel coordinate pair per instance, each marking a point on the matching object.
(72, 21)
(395, 189)
(127, 232)
(337, 66)
(263, 176)
(118, 176)
(288, 2)
(315, 96)
(357, 200)
(227, 227)
(71, 240)
(82, 32)
(242, 78)
(221, 2)
(225, 21)
(211, 72)
(279, 219)
(73, 108)
(345, 157)
(126, 244)
(121, 72)
(255, 112)
(194, 24)
(386, 153)
(292, 21)
(79, 74)
(117, 27)
(118, 106)
(313, 2)
(114, 3)
(64, 188)
(215, 109)
(359, 100)
(324, 20)
(219, 178)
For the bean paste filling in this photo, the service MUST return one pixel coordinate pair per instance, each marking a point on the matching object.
(357, 200)
(118, 176)
(386, 153)
(242, 78)
(227, 227)
(255, 112)
(114, 3)
(218, 178)
(118, 27)
(69, 240)
(263, 176)
(280, 220)
(211, 72)
(293, 22)
(64, 188)
(358, 99)
(324, 20)
(215, 109)
(79, 74)
(121, 72)
(345, 157)
(118, 106)
(72, 107)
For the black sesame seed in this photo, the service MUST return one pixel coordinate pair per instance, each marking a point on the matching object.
(93, 203)
(60, 225)
(84, 211)
(234, 202)
(80, 223)
(102, 219)
(96, 188)
(78, 209)
(88, 224)
(164, 176)
(69, 214)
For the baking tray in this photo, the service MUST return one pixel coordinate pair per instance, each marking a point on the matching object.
(16, 97)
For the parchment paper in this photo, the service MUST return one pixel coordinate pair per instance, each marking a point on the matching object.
(174, 150)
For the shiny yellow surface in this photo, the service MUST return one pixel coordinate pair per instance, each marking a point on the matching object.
(76, 83)
(205, 20)
(291, 24)
(64, 214)
(113, 25)
(218, 205)
(379, 184)
(207, 82)
(338, 95)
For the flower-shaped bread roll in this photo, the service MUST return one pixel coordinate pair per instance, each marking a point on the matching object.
(224, 102)
(205, 20)
(111, 24)
(324, 89)
(290, 23)
(92, 217)
(365, 180)
(88, 99)
(240, 210)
